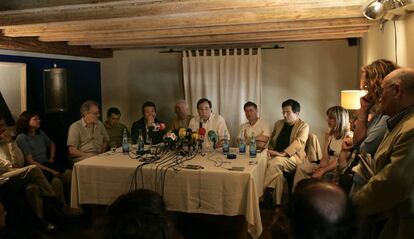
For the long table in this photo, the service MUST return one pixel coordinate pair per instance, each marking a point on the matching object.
(215, 189)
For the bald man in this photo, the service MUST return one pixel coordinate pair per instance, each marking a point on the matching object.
(183, 117)
(320, 210)
(390, 191)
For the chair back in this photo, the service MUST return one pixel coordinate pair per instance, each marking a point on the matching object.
(313, 149)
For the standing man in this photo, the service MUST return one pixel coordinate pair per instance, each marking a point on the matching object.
(183, 118)
(150, 134)
(255, 125)
(286, 150)
(391, 190)
(114, 128)
(208, 120)
(87, 136)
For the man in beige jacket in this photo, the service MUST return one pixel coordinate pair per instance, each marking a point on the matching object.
(390, 191)
(286, 149)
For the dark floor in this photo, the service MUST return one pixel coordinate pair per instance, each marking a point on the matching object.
(188, 226)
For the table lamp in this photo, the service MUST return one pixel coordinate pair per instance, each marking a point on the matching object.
(350, 99)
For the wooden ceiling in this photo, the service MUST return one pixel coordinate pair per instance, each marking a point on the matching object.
(101, 25)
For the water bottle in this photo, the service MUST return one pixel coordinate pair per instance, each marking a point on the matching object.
(140, 144)
(125, 144)
(242, 144)
(226, 147)
(252, 150)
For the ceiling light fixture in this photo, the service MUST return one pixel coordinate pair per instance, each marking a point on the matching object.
(379, 9)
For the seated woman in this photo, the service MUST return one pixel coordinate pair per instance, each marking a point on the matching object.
(37, 188)
(333, 155)
(35, 145)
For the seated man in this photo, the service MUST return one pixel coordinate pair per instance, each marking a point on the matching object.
(208, 120)
(114, 128)
(150, 134)
(87, 136)
(286, 149)
(256, 126)
(183, 117)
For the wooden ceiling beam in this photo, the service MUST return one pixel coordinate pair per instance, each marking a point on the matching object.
(140, 8)
(169, 23)
(239, 43)
(200, 19)
(33, 45)
(29, 4)
(257, 37)
(202, 31)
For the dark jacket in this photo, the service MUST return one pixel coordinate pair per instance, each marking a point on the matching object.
(157, 137)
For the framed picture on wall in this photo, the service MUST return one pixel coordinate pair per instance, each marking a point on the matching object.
(12, 90)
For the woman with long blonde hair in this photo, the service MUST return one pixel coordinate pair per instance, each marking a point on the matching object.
(339, 132)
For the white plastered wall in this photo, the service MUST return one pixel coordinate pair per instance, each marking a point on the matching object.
(311, 72)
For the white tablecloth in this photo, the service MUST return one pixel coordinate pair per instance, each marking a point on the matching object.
(212, 190)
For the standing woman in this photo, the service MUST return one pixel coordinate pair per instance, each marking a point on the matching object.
(39, 149)
(339, 134)
(371, 125)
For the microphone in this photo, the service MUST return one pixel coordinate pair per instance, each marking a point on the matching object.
(194, 136)
(170, 137)
(212, 136)
(182, 132)
(201, 134)
(188, 134)
(155, 127)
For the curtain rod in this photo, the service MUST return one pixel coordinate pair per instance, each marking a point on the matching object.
(171, 50)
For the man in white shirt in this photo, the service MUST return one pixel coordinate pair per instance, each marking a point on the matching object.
(256, 126)
(208, 120)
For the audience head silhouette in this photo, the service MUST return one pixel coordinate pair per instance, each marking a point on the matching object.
(139, 214)
(320, 210)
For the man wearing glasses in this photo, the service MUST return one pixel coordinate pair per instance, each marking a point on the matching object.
(87, 136)
(390, 191)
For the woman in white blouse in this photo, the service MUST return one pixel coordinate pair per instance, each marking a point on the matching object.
(339, 131)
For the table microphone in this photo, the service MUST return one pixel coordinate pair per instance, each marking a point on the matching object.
(201, 134)
(212, 136)
(194, 136)
(155, 127)
(182, 132)
(170, 138)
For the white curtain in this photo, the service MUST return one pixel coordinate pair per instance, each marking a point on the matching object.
(229, 78)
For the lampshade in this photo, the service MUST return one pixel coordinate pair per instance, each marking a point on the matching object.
(350, 98)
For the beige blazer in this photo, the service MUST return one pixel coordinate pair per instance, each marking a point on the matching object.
(298, 138)
(313, 148)
(391, 190)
